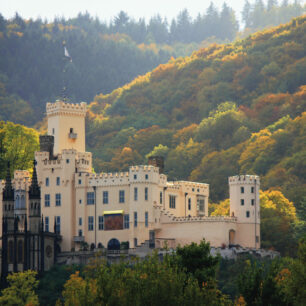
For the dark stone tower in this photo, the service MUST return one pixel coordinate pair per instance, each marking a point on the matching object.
(157, 161)
(8, 201)
(47, 144)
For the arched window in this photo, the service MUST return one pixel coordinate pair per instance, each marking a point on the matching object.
(10, 251)
(17, 203)
(20, 251)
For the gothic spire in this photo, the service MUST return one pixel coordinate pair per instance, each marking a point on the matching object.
(8, 192)
(34, 191)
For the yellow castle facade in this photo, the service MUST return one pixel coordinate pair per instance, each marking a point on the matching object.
(136, 206)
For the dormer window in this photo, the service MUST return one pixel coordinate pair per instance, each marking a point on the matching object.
(72, 134)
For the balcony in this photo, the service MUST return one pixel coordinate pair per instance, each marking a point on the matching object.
(78, 239)
(73, 135)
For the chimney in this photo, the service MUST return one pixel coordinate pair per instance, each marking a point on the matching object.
(157, 161)
(47, 144)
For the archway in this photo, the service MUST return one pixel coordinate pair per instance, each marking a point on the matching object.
(231, 235)
(113, 244)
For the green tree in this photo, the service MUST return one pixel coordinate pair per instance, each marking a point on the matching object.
(196, 259)
(21, 289)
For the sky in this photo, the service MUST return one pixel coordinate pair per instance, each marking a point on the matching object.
(107, 9)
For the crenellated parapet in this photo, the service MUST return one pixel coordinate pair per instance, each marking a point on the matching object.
(243, 179)
(63, 108)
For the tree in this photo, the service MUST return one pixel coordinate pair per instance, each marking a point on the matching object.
(18, 145)
(21, 289)
(246, 14)
(292, 282)
(196, 259)
(278, 217)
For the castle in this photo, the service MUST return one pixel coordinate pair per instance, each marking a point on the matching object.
(107, 209)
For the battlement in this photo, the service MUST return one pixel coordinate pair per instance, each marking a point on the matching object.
(21, 174)
(108, 179)
(143, 168)
(243, 179)
(60, 107)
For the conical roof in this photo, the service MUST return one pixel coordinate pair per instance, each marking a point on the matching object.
(8, 192)
(34, 190)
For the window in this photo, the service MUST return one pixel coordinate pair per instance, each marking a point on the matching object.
(53, 131)
(80, 182)
(58, 199)
(90, 198)
(105, 197)
(90, 223)
(47, 200)
(58, 224)
(135, 242)
(248, 214)
(47, 181)
(46, 224)
(20, 251)
(201, 203)
(80, 233)
(189, 204)
(80, 221)
(161, 197)
(135, 194)
(147, 176)
(135, 176)
(171, 201)
(67, 161)
(242, 202)
(80, 201)
(135, 219)
(252, 189)
(101, 223)
(58, 181)
(146, 219)
(121, 196)
(252, 202)
(146, 193)
(71, 130)
(241, 189)
(126, 221)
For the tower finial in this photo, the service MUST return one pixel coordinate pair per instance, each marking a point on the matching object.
(8, 192)
(34, 191)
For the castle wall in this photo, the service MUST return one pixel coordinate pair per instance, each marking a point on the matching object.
(215, 230)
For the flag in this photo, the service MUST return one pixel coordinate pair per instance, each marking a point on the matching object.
(67, 55)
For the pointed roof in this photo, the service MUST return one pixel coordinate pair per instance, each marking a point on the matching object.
(34, 190)
(8, 192)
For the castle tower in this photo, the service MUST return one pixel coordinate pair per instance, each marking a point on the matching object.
(66, 122)
(245, 206)
(34, 203)
(8, 201)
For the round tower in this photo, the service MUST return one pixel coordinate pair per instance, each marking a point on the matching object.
(245, 206)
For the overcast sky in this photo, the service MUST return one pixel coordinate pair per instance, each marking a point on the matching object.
(107, 9)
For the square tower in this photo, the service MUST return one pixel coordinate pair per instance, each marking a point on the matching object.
(66, 122)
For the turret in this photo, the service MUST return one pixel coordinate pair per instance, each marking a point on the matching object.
(245, 206)
(34, 203)
(66, 122)
(8, 201)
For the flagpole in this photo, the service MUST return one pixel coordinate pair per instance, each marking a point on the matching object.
(66, 57)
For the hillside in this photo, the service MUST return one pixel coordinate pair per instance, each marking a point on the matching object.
(227, 109)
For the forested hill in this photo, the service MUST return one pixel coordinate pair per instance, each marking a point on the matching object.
(107, 55)
(227, 109)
